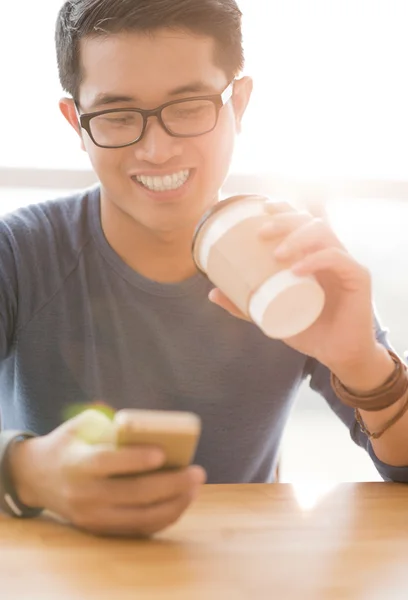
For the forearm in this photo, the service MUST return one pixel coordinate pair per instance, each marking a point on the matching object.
(392, 447)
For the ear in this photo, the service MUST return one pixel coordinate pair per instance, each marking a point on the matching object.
(67, 107)
(242, 94)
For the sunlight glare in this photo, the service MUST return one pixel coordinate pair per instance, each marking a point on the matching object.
(309, 493)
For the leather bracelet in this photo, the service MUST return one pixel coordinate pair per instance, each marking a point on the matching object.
(9, 501)
(380, 398)
(377, 434)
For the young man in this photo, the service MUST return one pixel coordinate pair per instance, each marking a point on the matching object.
(100, 300)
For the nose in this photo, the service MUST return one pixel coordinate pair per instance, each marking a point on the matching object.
(157, 146)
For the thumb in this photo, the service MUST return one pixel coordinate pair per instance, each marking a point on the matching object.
(217, 297)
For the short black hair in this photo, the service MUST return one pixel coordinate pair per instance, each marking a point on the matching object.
(78, 19)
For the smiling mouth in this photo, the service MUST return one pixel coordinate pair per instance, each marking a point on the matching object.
(165, 183)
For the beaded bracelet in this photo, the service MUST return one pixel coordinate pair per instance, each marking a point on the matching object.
(376, 434)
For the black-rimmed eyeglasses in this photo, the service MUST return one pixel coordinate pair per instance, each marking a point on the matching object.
(189, 117)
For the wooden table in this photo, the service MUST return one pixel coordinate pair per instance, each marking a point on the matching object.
(238, 541)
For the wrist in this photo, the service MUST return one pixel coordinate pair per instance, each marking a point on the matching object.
(21, 465)
(365, 373)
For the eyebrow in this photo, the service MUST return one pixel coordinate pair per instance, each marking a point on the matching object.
(197, 87)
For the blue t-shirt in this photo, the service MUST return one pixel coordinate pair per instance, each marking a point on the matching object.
(77, 325)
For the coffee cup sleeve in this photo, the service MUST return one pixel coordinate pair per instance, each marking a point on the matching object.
(285, 304)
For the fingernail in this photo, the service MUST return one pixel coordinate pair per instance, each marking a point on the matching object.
(271, 204)
(277, 205)
(281, 250)
(267, 230)
(297, 268)
(156, 457)
(198, 475)
(211, 296)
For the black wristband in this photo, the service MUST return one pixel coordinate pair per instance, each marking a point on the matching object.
(9, 501)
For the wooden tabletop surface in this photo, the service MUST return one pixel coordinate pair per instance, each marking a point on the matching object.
(238, 541)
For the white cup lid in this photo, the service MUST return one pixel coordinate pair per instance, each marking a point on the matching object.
(286, 304)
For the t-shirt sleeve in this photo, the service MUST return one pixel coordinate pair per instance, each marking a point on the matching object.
(320, 382)
(8, 291)
(38, 249)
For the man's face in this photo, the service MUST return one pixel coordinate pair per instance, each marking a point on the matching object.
(145, 71)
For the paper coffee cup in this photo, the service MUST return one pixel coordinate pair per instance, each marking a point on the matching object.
(228, 249)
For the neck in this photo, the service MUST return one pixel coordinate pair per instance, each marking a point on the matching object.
(164, 256)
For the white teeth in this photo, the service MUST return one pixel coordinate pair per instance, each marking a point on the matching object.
(162, 184)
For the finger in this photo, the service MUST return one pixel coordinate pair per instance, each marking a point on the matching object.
(337, 261)
(155, 488)
(107, 460)
(131, 522)
(311, 237)
(217, 297)
(274, 207)
(283, 224)
(160, 516)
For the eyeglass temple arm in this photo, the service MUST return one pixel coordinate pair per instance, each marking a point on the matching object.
(78, 115)
(228, 92)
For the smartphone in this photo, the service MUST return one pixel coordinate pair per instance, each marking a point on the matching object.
(177, 433)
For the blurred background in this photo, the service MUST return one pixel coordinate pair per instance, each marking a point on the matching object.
(327, 128)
